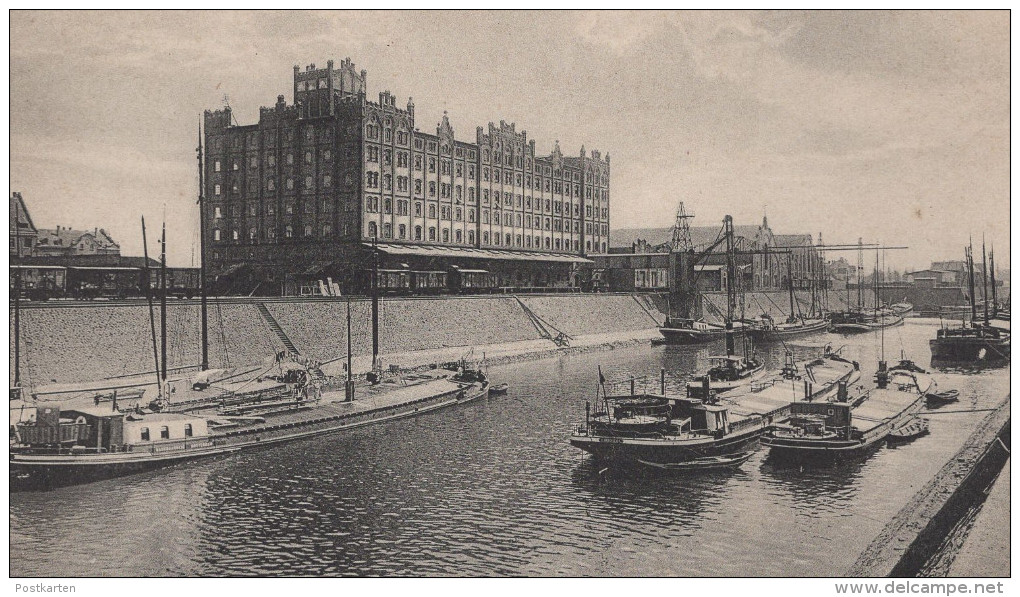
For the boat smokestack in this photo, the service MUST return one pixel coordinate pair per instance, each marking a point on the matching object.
(841, 392)
(882, 377)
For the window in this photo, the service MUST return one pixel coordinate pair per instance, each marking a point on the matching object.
(471, 215)
(164, 432)
(388, 182)
(327, 181)
(308, 157)
(417, 161)
(432, 210)
(290, 159)
(373, 154)
(271, 160)
(418, 207)
(417, 186)
(288, 231)
(187, 430)
(327, 155)
(372, 180)
(485, 238)
(216, 190)
(387, 205)
(235, 166)
(387, 157)
(216, 166)
(290, 184)
(144, 434)
(216, 234)
(432, 164)
(403, 231)
(417, 233)
(217, 212)
(432, 233)
(446, 235)
(327, 230)
(401, 159)
(471, 237)
(372, 230)
(432, 189)
(309, 183)
(233, 234)
(387, 230)
(458, 236)
(252, 234)
(271, 184)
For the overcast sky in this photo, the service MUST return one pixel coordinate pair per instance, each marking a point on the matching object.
(892, 126)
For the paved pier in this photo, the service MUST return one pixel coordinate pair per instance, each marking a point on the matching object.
(985, 551)
(915, 533)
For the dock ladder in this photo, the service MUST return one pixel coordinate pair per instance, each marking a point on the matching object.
(277, 329)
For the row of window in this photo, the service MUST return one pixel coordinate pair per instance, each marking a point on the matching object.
(164, 432)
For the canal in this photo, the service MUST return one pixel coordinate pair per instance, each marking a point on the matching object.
(494, 488)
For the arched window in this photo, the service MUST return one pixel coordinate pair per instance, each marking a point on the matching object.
(216, 234)
(372, 230)
(288, 231)
(446, 235)
(417, 233)
(327, 230)
(387, 230)
(459, 236)
(508, 241)
(164, 432)
(308, 230)
(432, 233)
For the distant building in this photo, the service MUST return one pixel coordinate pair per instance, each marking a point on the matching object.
(65, 241)
(21, 226)
(303, 193)
(764, 260)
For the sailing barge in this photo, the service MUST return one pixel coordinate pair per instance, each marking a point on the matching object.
(973, 343)
(853, 424)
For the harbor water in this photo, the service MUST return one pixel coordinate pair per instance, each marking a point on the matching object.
(494, 488)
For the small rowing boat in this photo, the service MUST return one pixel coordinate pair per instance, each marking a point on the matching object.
(499, 388)
(940, 398)
(701, 464)
(912, 430)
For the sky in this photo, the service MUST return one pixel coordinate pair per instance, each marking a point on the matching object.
(890, 126)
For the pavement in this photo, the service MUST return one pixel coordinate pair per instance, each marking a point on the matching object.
(985, 551)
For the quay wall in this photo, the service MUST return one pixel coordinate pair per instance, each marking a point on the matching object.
(67, 342)
(916, 534)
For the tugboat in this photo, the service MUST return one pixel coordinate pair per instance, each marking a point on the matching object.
(973, 343)
(676, 433)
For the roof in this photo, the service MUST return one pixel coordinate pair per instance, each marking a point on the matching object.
(88, 261)
(66, 237)
(793, 240)
(472, 253)
(18, 208)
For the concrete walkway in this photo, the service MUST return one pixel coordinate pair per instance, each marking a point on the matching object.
(985, 551)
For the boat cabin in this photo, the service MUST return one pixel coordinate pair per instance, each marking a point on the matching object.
(710, 418)
(814, 418)
(103, 429)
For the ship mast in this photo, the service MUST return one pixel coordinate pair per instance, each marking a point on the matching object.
(17, 297)
(152, 314)
(375, 302)
(995, 299)
(860, 268)
(162, 302)
(970, 283)
(984, 277)
(731, 298)
(201, 258)
(789, 284)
